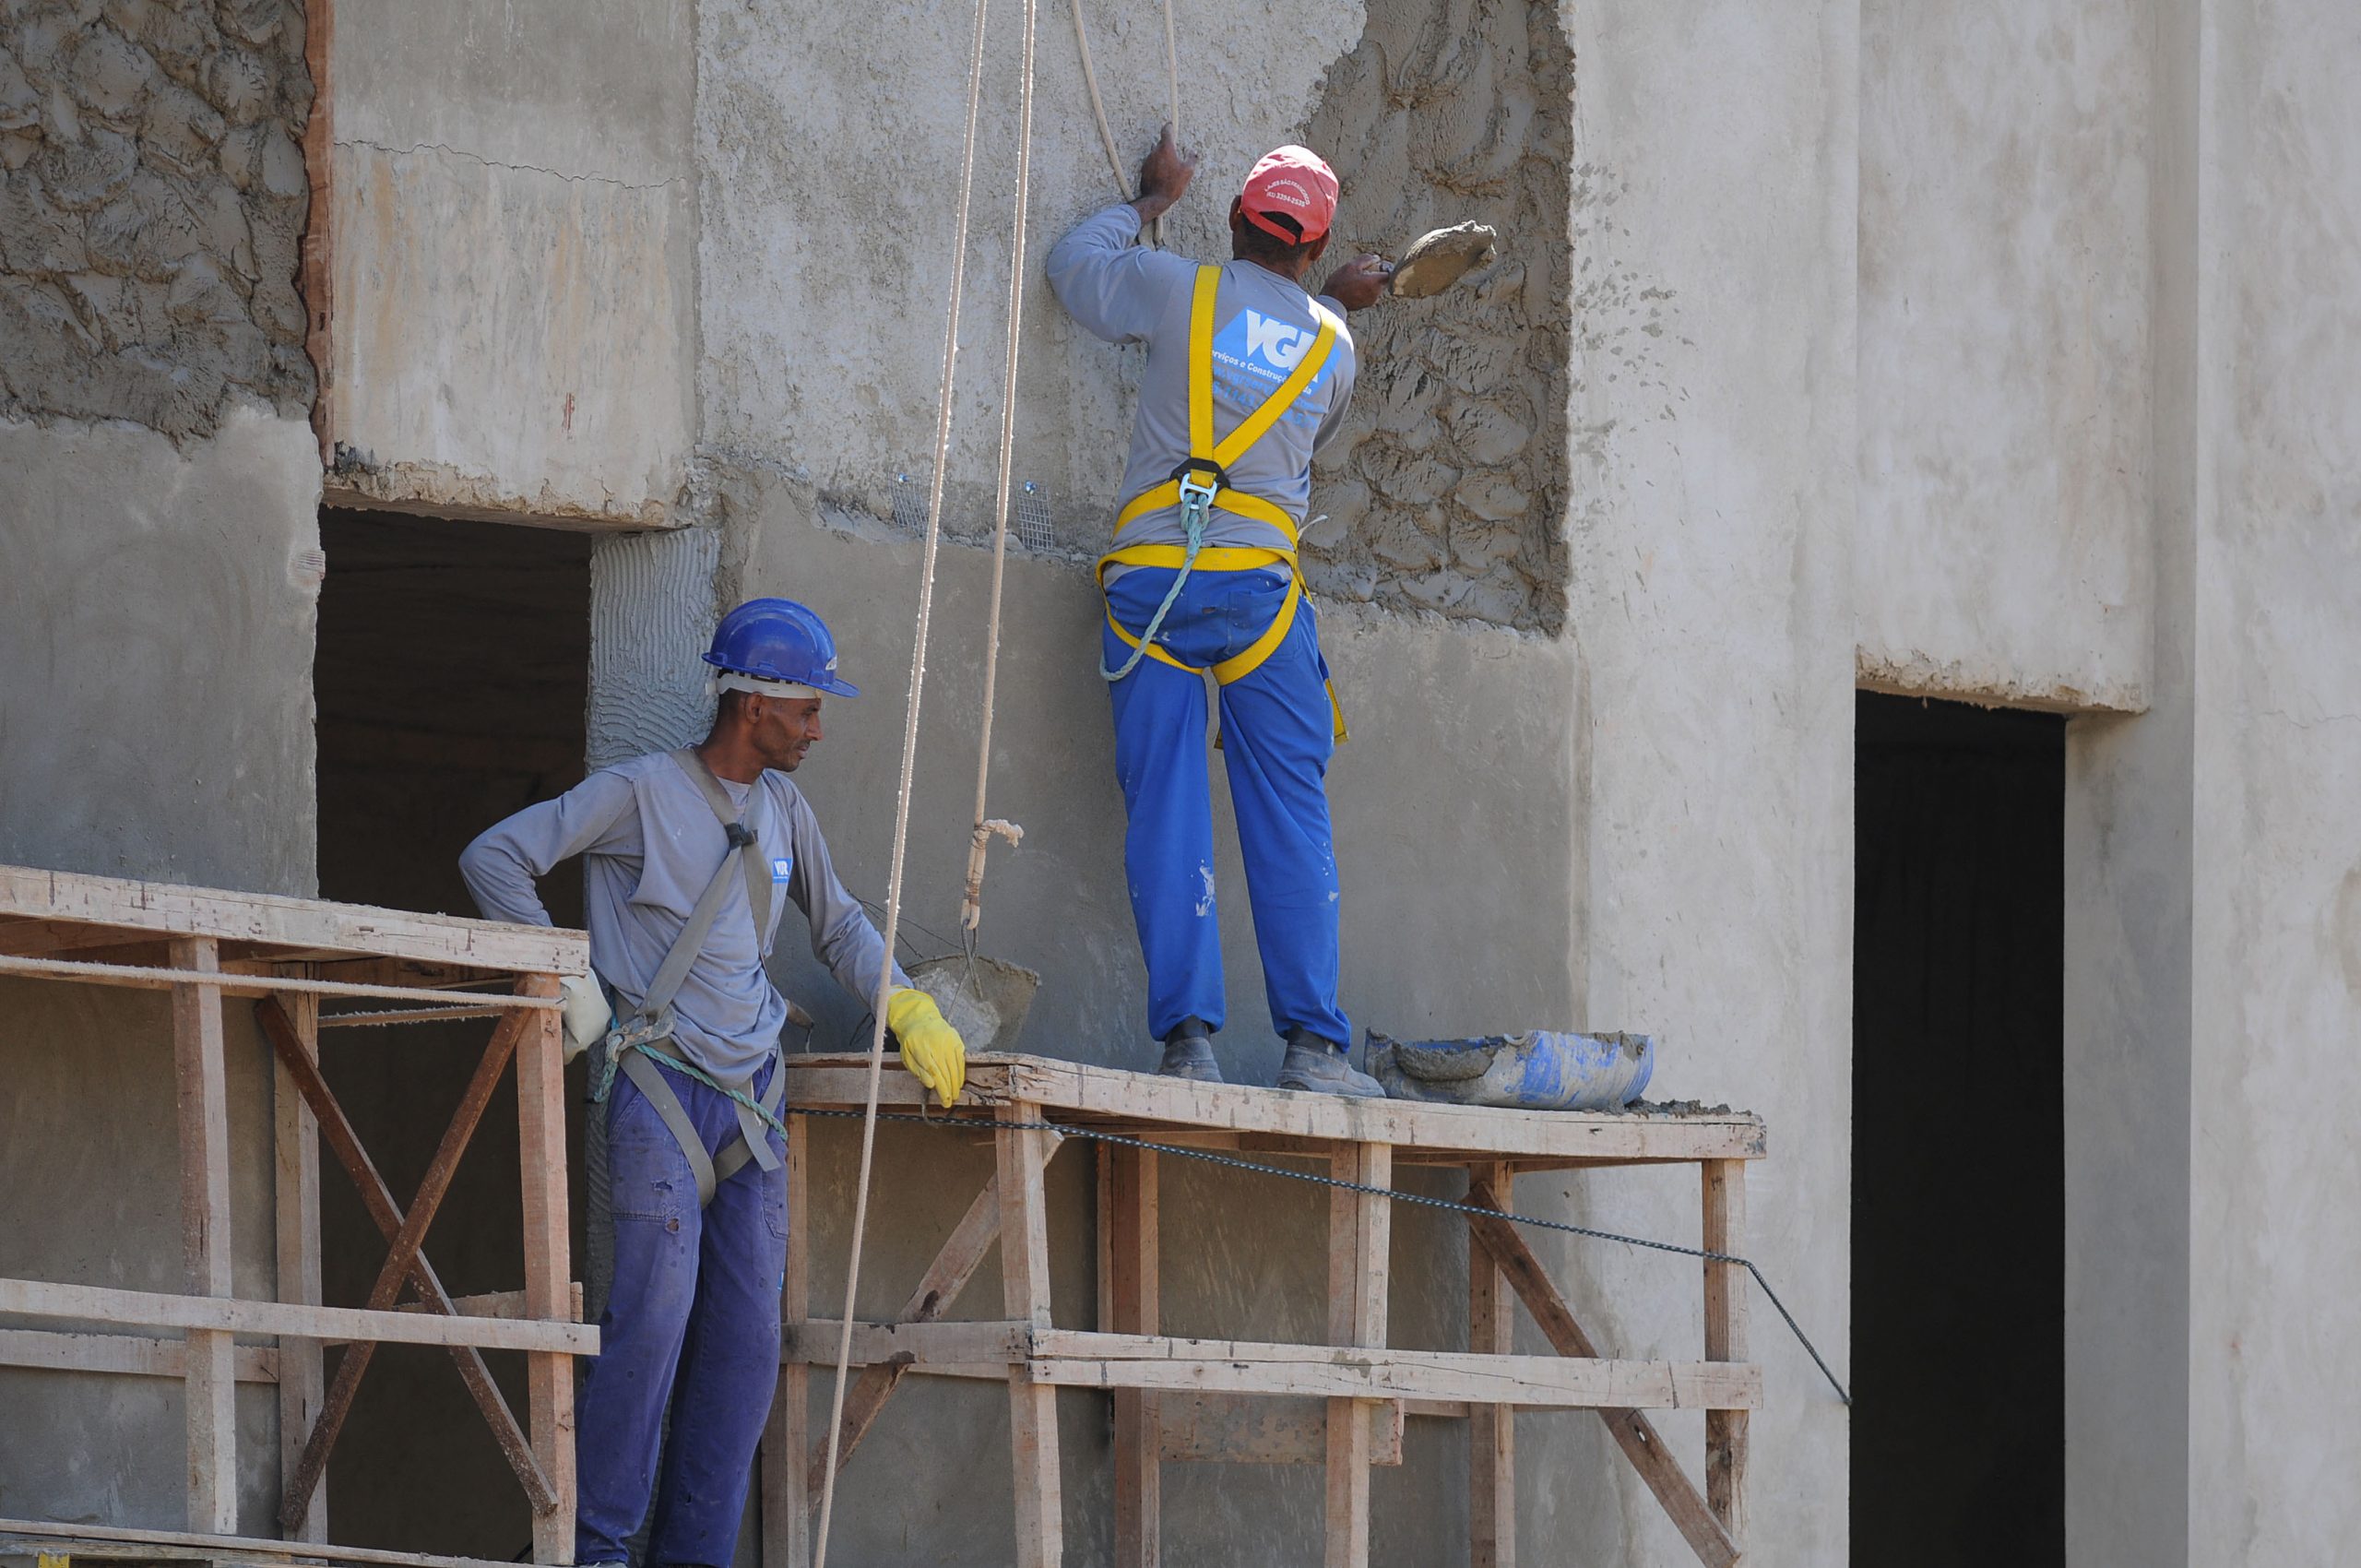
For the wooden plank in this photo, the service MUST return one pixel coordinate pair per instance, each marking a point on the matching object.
(1236, 1429)
(507, 1305)
(137, 977)
(1726, 1311)
(103, 1541)
(295, 1168)
(1491, 1428)
(1130, 1222)
(916, 1346)
(1022, 1155)
(143, 1308)
(201, 1074)
(1633, 1433)
(130, 1354)
(294, 923)
(885, 1359)
(1359, 1250)
(784, 1457)
(1117, 1361)
(300, 1064)
(1139, 1102)
(549, 1265)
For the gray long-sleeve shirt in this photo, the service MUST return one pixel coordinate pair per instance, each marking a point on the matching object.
(1262, 326)
(650, 845)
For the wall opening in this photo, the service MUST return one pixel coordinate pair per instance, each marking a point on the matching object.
(452, 680)
(1958, 1136)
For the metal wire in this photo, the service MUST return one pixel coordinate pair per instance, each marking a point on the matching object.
(1393, 1194)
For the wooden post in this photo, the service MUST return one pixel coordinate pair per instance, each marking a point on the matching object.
(1491, 1428)
(1360, 1238)
(1130, 1222)
(1022, 1154)
(302, 1377)
(786, 1440)
(204, 1098)
(549, 1266)
(1726, 1299)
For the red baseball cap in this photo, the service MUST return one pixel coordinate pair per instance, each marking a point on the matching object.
(1291, 183)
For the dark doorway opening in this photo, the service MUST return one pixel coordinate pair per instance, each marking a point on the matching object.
(1959, 1453)
(452, 683)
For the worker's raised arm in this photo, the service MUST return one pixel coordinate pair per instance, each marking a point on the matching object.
(505, 860)
(842, 937)
(1106, 280)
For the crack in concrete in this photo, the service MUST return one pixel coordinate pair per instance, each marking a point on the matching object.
(495, 163)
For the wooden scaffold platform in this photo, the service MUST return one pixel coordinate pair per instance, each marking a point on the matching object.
(1340, 1403)
(285, 956)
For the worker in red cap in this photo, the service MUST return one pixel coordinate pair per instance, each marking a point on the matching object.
(1247, 376)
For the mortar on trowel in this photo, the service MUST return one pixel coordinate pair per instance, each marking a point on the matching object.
(984, 999)
(1540, 1069)
(1440, 258)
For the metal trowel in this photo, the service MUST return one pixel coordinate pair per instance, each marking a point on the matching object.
(1440, 258)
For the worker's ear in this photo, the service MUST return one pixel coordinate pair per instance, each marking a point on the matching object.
(1238, 215)
(1318, 248)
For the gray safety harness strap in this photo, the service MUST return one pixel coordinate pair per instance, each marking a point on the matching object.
(653, 1019)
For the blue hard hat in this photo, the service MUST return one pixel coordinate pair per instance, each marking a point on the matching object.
(778, 639)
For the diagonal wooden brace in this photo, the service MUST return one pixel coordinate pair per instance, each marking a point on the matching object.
(337, 1403)
(944, 1278)
(336, 1129)
(1633, 1431)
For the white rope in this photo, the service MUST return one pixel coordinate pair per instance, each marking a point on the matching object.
(902, 801)
(1172, 81)
(1091, 80)
(972, 913)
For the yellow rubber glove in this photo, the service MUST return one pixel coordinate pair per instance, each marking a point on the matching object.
(931, 1048)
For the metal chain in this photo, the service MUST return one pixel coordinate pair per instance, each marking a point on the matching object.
(1392, 1193)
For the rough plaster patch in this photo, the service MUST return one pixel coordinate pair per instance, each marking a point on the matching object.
(1447, 489)
(151, 200)
(653, 604)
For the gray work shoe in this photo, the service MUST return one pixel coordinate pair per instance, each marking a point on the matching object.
(1189, 1054)
(1322, 1068)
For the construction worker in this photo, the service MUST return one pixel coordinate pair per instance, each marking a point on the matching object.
(1247, 376)
(686, 856)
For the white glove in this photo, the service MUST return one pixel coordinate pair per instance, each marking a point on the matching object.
(587, 1017)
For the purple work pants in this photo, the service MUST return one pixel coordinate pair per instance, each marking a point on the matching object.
(692, 1321)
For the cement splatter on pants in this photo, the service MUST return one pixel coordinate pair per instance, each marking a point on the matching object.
(691, 1320)
(1278, 736)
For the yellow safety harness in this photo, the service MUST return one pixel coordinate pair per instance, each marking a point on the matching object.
(1200, 484)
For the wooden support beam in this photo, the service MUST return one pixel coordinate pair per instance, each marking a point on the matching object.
(1022, 1154)
(145, 1309)
(1725, 1305)
(955, 1264)
(394, 1272)
(1129, 1221)
(1491, 1428)
(295, 1171)
(298, 1062)
(1237, 1429)
(131, 1354)
(134, 976)
(548, 1265)
(1634, 1433)
(204, 1100)
(102, 1542)
(1555, 1382)
(1360, 1251)
(785, 1458)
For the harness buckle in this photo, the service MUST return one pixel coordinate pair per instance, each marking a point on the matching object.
(1197, 494)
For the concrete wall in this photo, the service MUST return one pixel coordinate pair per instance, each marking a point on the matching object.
(514, 246)
(2003, 550)
(2274, 1343)
(1713, 526)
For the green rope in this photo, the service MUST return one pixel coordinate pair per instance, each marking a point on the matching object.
(665, 1058)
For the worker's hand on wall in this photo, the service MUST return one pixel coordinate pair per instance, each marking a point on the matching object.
(931, 1048)
(1164, 177)
(1360, 282)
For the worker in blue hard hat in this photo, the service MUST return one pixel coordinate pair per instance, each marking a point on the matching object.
(1247, 376)
(688, 859)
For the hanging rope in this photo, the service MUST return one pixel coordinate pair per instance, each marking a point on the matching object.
(1090, 81)
(909, 765)
(971, 912)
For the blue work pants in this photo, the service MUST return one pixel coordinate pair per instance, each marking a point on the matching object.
(1278, 735)
(692, 1321)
